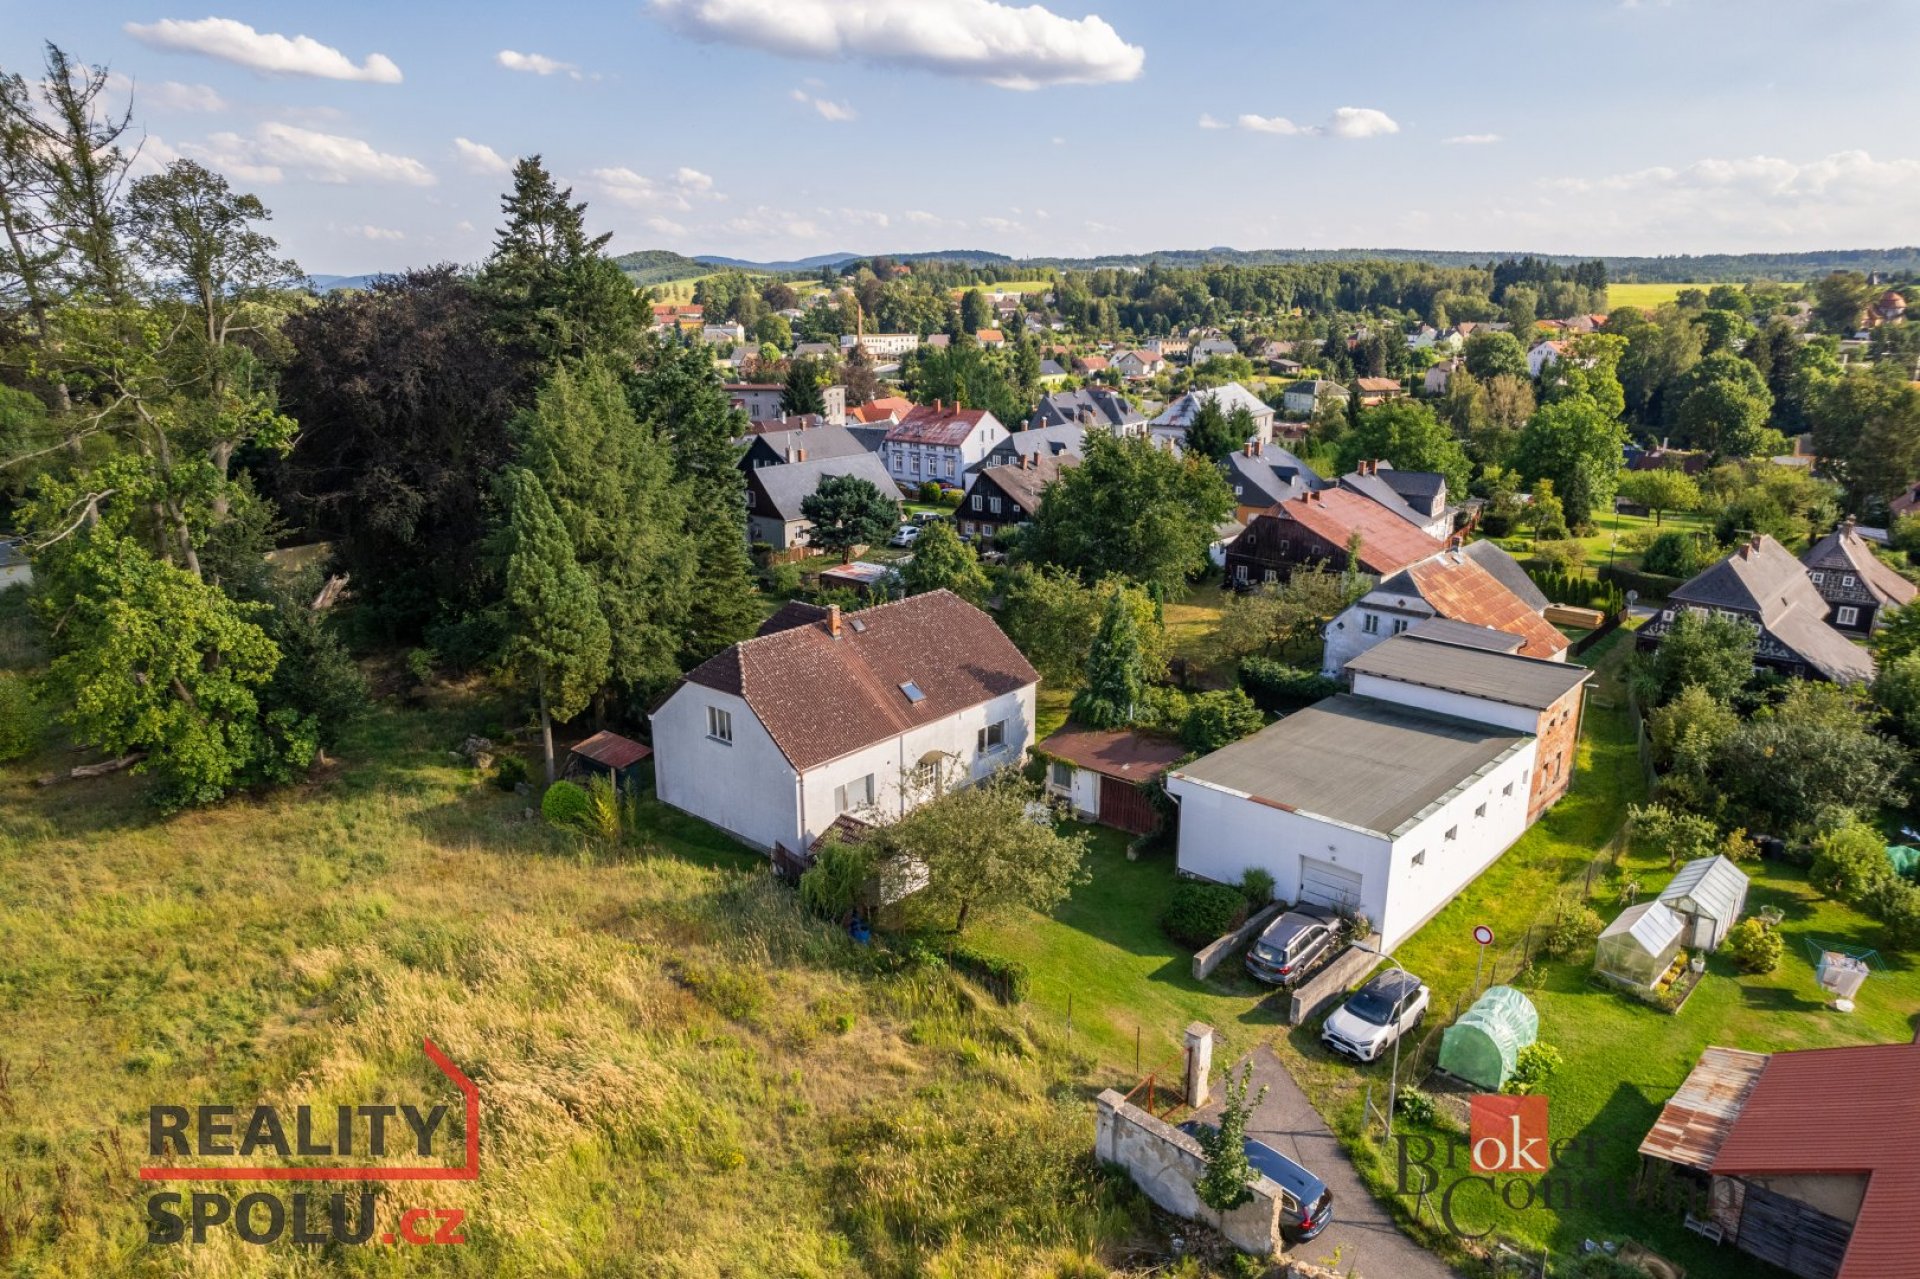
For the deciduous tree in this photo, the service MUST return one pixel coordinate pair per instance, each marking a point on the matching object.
(847, 511)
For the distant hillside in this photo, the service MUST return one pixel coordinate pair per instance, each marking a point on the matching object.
(652, 266)
(328, 283)
(1674, 268)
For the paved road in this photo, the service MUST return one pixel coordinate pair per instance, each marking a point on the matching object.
(1363, 1235)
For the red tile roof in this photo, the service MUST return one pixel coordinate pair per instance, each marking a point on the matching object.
(989, 335)
(1116, 752)
(1843, 1111)
(1458, 588)
(1375, 384)
(1387, 542)
(886, 406)
(938, 424)
(821, 697)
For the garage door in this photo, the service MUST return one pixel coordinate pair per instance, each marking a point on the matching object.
(1324, 884)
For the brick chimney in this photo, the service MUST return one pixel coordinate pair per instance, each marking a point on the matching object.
(1246, 450)
(938, 406)
(801, 455)
(833, 620)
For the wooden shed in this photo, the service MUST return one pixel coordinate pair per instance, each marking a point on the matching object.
(1103, 773)
(608, 755)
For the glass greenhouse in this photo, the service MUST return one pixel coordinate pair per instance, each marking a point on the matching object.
(1638, 948)
(1483, 1046)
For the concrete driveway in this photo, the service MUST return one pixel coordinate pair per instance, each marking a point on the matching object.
(1363, 1236)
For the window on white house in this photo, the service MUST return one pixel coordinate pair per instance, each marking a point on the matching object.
(1848, 616)
(1371, 623)
(1453, 832)
(854, 794)
(1063, 774)
(992, 737)
(720, 724)
(1480, 811)
(1507, 790)
(1420, 858)
(1399, 624)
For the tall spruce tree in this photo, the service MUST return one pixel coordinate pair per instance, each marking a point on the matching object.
(611, 484)
(677, 395)
(557, 638)
(1115, 680)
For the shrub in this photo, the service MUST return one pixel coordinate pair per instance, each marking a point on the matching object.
(1755, 948)
(930, 492)
(509, 771)
(605, 814)
(1197, 913)
(1898, 906)
(1673, 554)
(1162, 707)
(1008, 979)
(836, 883)
(1256, 885)
(1573, 930)
(1218, 718)
(420, 664)
(1533, 1067)
(1276, 687)
(1851, 863)
(1414, 1106)
(20, 718)
(1563, 554)
(565, 805)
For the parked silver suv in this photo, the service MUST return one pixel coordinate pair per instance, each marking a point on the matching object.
(1293, 945)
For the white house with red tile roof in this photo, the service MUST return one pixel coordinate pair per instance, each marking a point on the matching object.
(940, 442)
(1543, 354)
(826, 714)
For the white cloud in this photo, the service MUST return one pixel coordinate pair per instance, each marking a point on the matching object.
(622, 185)
(165, 95)
(262, 51)
(1471, 139)
(1059, 141)
(274, 149)
(1740, 204)
(478, 157)
(838, 112)
(665, 226)
(920, 217)
(1361, 122)
(376, 233)
(537, 64)
(1347, 122)
(1014, 48)
(1260, 124)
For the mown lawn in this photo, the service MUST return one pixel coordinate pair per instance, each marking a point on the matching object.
(1103, 947)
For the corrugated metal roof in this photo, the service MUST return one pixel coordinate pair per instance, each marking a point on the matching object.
(1474, 672)
(1460, 587)
(1358, 761)
(1696, 1119)
(610, 750)
(1842, 1110)
(1715, 885)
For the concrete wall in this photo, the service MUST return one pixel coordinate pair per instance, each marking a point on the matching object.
(746, 789)
(1416, 892)
(1212, 956)
(1164, 1162)
(1333, 981)
(1223, 833)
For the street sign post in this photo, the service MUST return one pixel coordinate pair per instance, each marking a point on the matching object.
(1484, 936)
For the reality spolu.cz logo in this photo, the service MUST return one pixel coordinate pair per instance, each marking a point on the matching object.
(346, 1133)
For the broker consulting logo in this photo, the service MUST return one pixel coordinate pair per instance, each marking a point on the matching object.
(346, 1134)
(1507, 1160)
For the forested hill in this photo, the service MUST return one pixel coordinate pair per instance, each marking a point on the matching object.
(651, 266)
(1691, 268)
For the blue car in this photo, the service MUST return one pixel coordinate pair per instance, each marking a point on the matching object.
(1307, 1201)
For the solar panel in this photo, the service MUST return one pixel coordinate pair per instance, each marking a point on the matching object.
(912, 690)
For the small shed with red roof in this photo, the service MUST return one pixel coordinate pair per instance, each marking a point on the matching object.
(1105, 773)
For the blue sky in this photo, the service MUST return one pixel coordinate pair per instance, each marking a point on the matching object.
(379, 133)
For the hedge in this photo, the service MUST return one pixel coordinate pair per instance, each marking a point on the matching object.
(1197, 913)
(1650, 585)
(1276, 687)
(1008, 979)
(1579, 591)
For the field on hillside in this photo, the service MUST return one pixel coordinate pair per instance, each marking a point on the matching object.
(681, 1073)
(678, 290)
(1645, 295)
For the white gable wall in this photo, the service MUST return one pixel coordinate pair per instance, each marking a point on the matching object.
(1446, 702)
(746, 789)
(1417, 892)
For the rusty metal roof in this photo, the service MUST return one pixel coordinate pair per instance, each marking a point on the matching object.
(610, 750)
(1696, 1120)
(1842, 1111)
(1387, 542)
(1459, 588)
(1117, 752)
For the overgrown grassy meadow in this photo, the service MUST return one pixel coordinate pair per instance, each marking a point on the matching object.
(681, 1073)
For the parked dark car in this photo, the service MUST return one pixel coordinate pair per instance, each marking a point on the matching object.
(1307, 1203)
(1293, 945)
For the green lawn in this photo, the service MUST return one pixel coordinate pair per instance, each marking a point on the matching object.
(1104, 950)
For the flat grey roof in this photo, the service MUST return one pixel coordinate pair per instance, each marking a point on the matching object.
(1358, 761)
(1445, 630)
(1475, 672)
